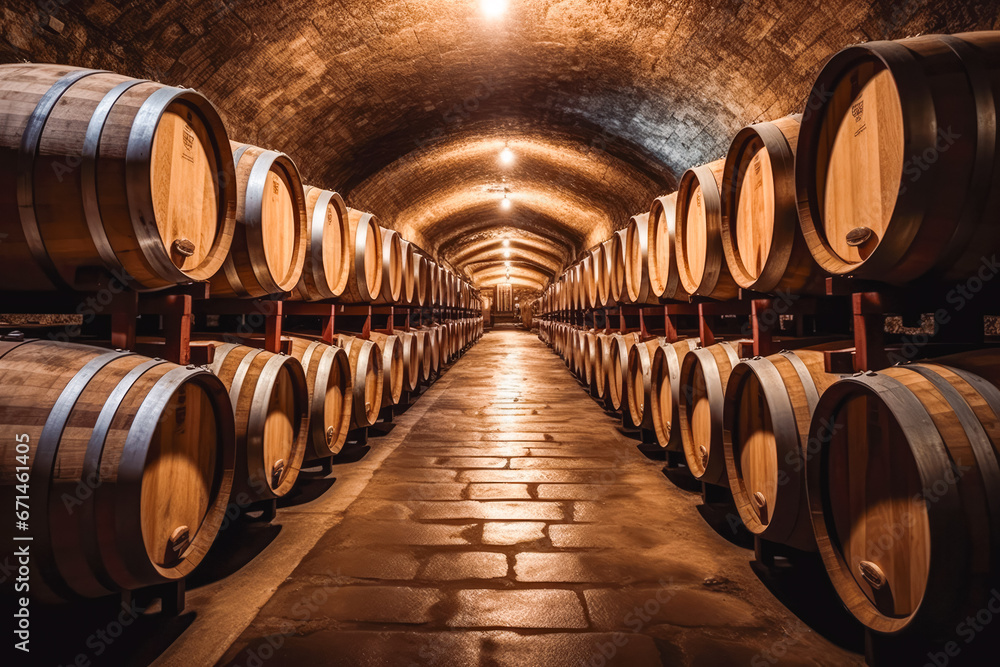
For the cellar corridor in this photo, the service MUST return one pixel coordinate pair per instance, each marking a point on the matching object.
(511, 522)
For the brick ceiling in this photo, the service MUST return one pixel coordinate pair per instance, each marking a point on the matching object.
(403, 106)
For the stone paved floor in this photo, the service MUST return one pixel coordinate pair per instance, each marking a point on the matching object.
(516, 525)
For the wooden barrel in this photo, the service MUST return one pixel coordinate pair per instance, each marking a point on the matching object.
(904, 492)
(588, 344)
(599, 271)
(432, 352)
(616, 394)
(665, 392)
(269, 247)
(412, 356)
(639, 379)
(130, 462)
(364, 282)
(392, 267)
(614, 280)
(434, 284)
(701, 262)
(423, 348)
(392, 366)
(271, 404)
(599, 362)
(67, 200)
(328, 246)
(895, 163)
(618, 266)
(589, 276)
(769, 402)
(421, 269)
(328, 379)
(366, 379)
(638, 287)
(763, 243)
(704, 374)
(661, 263)
(411, 273)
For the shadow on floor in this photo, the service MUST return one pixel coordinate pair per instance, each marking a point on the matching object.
(109, 634)
(804, 588)
(238, 544)
(309, 487)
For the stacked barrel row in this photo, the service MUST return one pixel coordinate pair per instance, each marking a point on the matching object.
(892, 475)
(131, 462)
(140, 180)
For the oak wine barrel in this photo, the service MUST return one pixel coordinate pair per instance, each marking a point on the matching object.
(269, 247)
(638, 287)
(328, 246)
(704, 374)
(665, 392)
(365, 358)
(412, 356)
(424, 351)
(602, 280)
(904, 492)
(103, 171)
(599, 362)
(130, 462)
(764, 247)
(328, 380)
(364, 282)
(616, 394)
(638, 384)
(768, 405)
(271, 404)
(618, 266)
(701, 262)
(661, 262)
(411, 273)
(393, 370)
(897, 155)
(392, 267)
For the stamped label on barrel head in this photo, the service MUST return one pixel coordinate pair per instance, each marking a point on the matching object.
(188, 137)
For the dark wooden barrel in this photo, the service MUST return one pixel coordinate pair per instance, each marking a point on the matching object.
(764, 247)
(102, 170)
(271, 404)
(328, 379)
(664, 392)
(411, 273)
(895, 164)
(130, 462)
(704, 374)
(366, 379)
(904, 492)
(664, 281)
(769, 403)
(364, 282)
(328, 246)
(701, 262)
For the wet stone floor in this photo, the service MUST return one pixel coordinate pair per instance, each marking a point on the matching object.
(517, 524)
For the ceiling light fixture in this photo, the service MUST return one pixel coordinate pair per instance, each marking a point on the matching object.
(505, 203)
(506, 156)
(494, 8)
(506, 243)
(506, 254)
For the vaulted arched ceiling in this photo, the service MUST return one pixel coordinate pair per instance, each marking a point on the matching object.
(404, 105)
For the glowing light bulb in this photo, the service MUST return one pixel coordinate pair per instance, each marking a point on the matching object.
(506, 254)
(506, 157)
(506, 243)
(507, 264)
(505, 204)
(494, 8)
